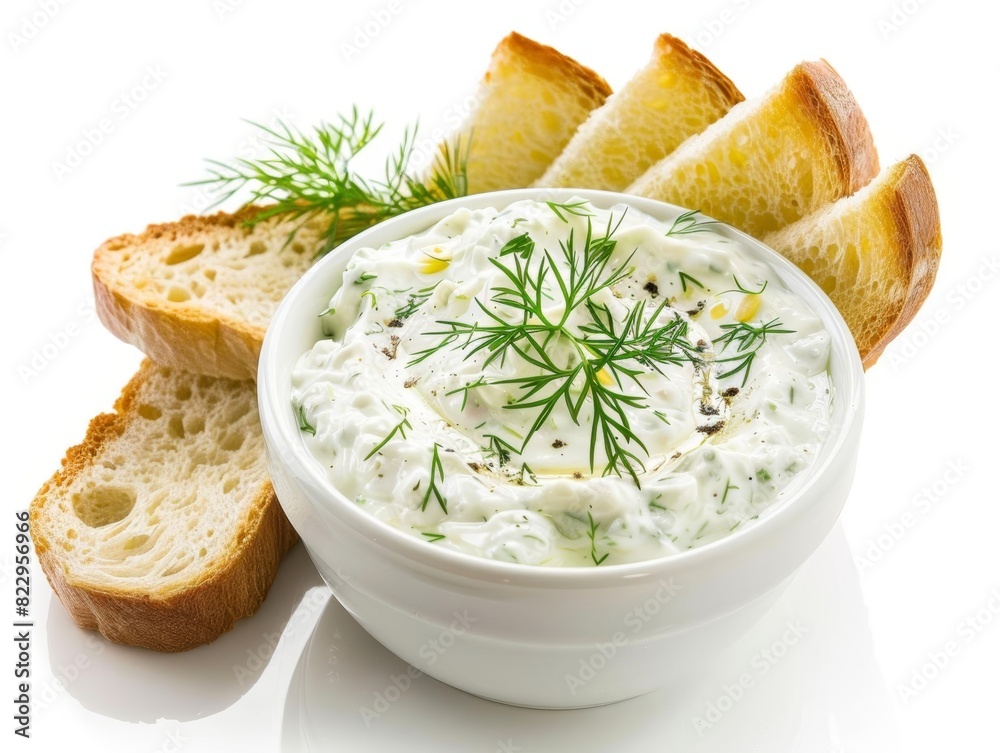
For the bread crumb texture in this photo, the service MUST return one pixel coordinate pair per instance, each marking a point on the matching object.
(676, 95)
(771, 161)
(875, 254)
(216, 264)
(161, 528)
(529, 104)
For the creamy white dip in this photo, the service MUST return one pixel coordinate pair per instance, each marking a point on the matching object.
(455, 396)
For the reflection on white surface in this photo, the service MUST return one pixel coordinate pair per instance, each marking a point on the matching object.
(138, 685)
(804, 679)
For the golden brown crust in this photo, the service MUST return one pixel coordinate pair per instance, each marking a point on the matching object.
(103, 428)
(552, 64)
(186, 336)
(189, 224)
(914, 209)
(678, 53)
(189, 615)
(824, 94)
(191, 335)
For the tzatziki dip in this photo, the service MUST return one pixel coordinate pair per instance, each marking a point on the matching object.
(560, 384)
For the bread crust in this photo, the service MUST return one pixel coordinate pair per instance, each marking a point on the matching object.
(185, 336)
(549, 63)
(914, 210)
(668, 47)
(823, 92)
(816, 112)
(190, 339)
(190, 613)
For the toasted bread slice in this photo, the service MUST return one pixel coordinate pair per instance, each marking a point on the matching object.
(677, 94)
(769, 162)
(162, 529)
(529, 104)
(198, 294)
(875, 253)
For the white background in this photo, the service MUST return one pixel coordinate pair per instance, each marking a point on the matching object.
(910, 568)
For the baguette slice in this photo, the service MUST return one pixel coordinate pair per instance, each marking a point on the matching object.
(198, 294)
(769, 162)
(530, 102)
(875, 253)
(678, 94)
(162, 529)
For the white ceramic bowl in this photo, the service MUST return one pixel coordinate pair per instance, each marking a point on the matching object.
(536, 636)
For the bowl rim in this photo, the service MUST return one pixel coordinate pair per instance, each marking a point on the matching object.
(277, 423)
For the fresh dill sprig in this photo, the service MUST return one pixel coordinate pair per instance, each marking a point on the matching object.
(522, 245)
(399, 428)
(307, 175)
(304, 424)
(433, 536)
(685, 278)
(729, 486)
(414, 302)
(480, 382)
(499, 448)
(576, 208)
(748, 340)
(592, 534)
(689, 222)
(437, 474)
(640, 339)
(605, 353)
(741, 289)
